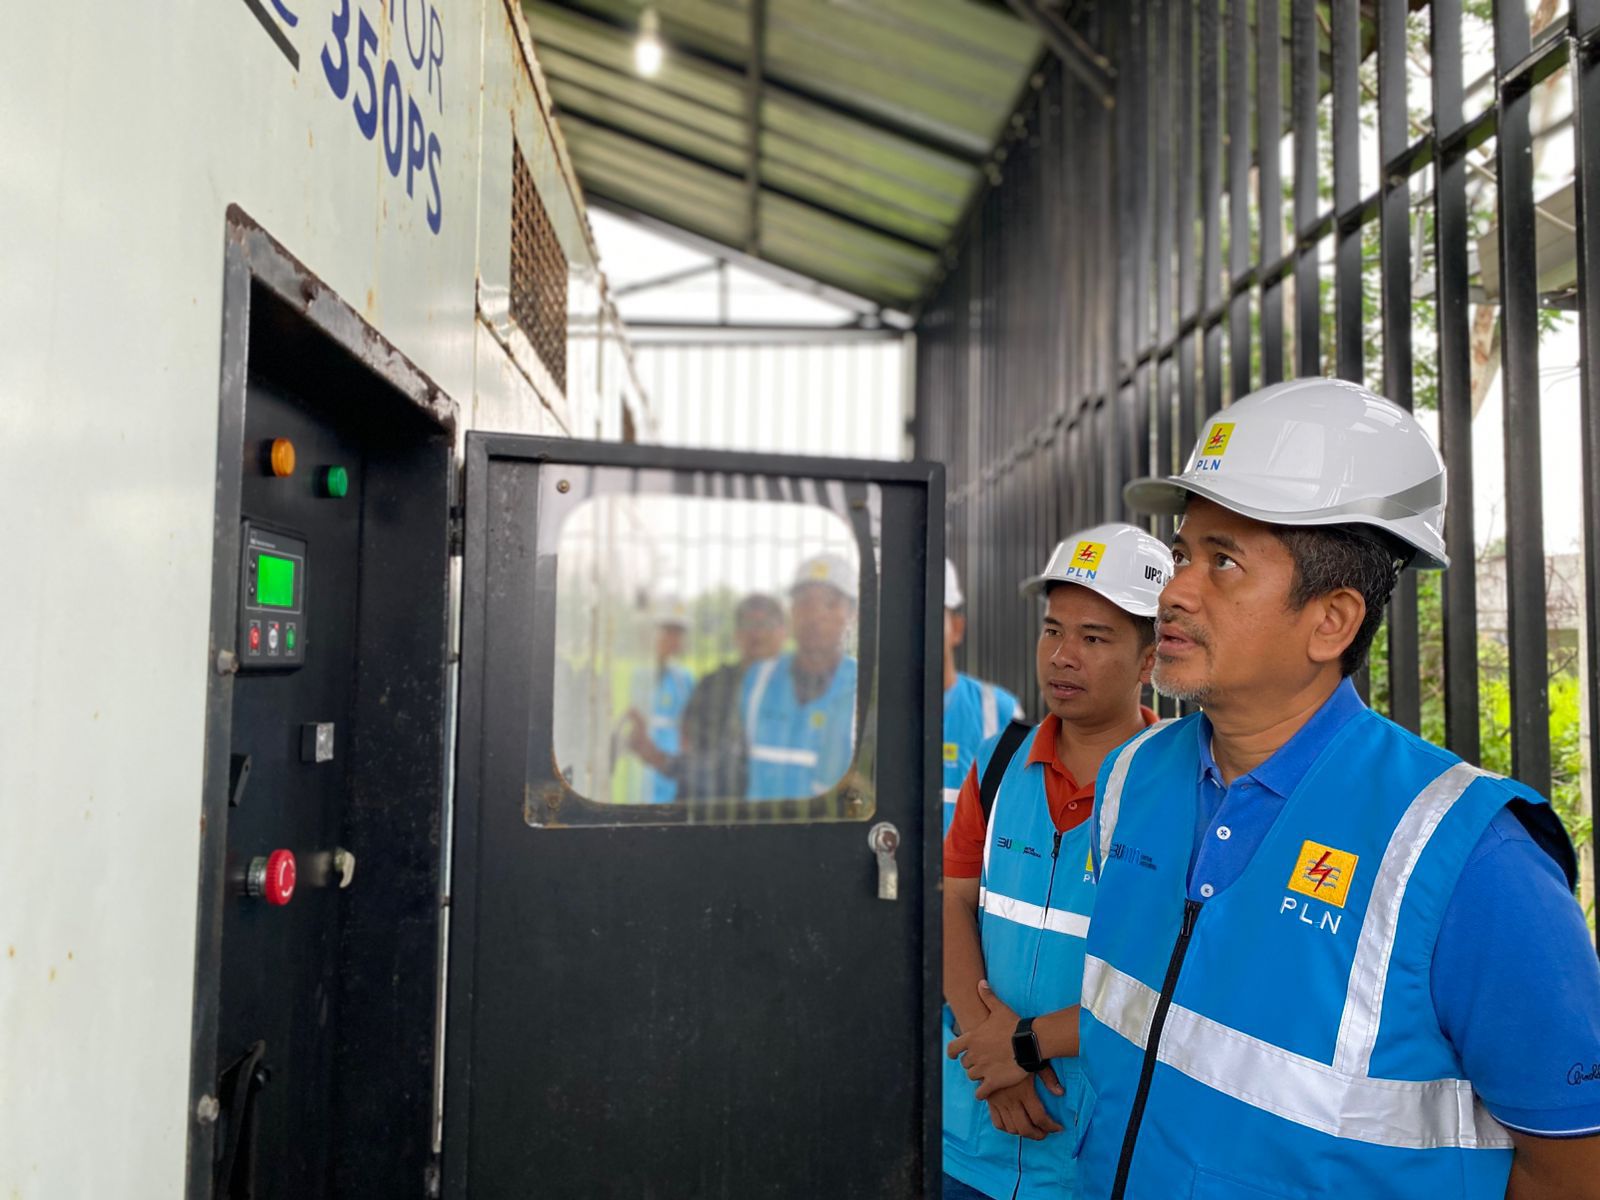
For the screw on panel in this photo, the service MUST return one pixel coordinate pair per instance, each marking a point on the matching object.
(564, 486)
(207, 1110)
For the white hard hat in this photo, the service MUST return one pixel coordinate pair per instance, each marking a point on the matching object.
(1122, 562)
(831, 569)
(1315, 452)
(672, 612)
(952, 586)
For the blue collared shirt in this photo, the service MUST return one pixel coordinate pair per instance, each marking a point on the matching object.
(1516, 985)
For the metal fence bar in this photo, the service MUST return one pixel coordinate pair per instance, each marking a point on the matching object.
(1453, 319)
(1238, 194)
(1188, 278)
(1586, 132)
(1211, 203)
(1303, 87)
(1347, 282)
(1269, 178)
(1519, 314)
(1394, 232)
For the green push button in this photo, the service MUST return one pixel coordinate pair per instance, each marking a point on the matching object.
(288, 638)
(335, 482)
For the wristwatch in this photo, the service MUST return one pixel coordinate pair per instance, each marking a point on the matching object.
(1025, 1046)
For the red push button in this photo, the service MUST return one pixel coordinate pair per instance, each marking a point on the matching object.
(255, 638)
(272, 878)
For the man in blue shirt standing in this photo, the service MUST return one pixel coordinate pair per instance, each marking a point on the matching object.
(1327, 958)
(799, 709)
(974, 710)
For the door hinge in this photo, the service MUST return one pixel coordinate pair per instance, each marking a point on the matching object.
(458, 530)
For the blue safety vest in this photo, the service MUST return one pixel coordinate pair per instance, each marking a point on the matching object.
(974, 712)
(797, 750)
(1034, 899)
(668, 694)
(1296, 1048)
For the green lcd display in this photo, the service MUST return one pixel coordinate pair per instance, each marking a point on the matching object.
(274, 581)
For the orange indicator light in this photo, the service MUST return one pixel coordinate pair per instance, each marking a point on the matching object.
(281, 457)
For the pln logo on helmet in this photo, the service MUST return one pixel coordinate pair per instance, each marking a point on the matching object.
(1214, 447)
(1086, 559)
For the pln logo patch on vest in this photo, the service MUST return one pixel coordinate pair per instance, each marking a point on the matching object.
(1215, 446)
(1086, 559)
(952, 753)
(1323, 873)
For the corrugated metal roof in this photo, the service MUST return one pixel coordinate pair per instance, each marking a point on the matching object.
(874, 117)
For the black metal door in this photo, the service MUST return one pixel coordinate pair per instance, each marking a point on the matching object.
(690, 997)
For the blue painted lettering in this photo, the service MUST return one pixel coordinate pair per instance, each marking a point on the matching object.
(393, 119)
(385, 96)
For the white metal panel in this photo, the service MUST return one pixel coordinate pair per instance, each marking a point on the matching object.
(128, 131)
(847, 399)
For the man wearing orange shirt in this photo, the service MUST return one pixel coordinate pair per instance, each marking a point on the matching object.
(1018, 886)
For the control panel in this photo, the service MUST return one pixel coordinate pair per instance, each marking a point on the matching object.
(272, 599)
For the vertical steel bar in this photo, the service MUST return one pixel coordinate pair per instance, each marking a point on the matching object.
(1347, 330)
(1269, 177)
(1459, 584)
(1405, 684)
(1166, 217)
(1586, 137)
(1238, 194)
(1525, 566)
(1133, 156)
(1304, 86)
(1211, 196)
(1188, 289)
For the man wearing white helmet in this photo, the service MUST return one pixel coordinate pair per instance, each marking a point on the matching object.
(1018, 890)
(974, 710)
(799, 708)
(1328, 958)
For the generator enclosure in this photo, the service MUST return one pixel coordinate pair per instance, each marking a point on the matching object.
(266, 263)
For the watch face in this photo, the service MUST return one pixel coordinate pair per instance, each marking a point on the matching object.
(1025, 1049)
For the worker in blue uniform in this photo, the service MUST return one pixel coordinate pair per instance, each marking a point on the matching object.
(799, 708)
(1327, 958)
(974, 710)
(1018, 892)
(658, 696)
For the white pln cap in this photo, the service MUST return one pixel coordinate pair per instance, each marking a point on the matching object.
(1122, 562)
(1315, 452)
(829, 569)
(673, 612)
(952, 586)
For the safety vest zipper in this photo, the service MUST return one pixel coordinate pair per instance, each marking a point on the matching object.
(1055, 853)
(1191, 913)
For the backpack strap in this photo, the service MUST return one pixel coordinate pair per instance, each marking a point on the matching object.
(1004, 752)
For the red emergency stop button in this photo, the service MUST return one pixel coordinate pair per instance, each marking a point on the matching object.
(272, 877)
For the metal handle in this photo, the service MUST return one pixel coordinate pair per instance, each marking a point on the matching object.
(884, 839)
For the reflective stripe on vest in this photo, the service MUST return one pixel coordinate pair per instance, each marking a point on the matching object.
(1340, 1098)
(1111, 802)
(758, 690)
(1385, 1112)
(991, 711)
(1034, 916)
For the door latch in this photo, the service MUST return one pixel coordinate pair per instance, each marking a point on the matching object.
(884, 839)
